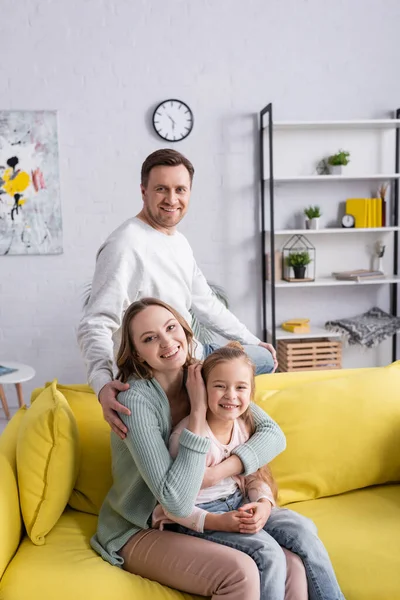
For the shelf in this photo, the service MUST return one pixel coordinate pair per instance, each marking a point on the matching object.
(315, 332)
(357, 124)
(330, 281)
(323, 178)
(325, 230)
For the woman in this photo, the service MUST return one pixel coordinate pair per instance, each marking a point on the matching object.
(155, 351)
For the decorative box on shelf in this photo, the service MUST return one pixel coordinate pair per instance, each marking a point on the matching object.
(298, 259)
(278, 266)
(309, 354)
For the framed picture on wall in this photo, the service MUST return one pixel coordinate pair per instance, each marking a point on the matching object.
(30, 207)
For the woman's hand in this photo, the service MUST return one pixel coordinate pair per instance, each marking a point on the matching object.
(196, 389)
(254, 515)
(227, 468)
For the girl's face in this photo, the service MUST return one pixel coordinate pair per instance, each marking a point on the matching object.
(159, 339)
(229, 389)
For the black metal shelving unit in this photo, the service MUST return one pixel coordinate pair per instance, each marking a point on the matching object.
(266, 121)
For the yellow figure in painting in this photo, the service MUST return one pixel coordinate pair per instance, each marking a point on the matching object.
(15, 185)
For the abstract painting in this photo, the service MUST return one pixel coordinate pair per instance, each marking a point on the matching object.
(30, 207)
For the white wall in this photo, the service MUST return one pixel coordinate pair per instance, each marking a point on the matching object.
(104, 65)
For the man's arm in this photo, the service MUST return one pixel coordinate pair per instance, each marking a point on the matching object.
(117, 273)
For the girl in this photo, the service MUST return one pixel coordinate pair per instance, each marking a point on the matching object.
(154, 353)
(223, 514)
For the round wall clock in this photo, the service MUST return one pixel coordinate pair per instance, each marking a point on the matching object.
(173, 120)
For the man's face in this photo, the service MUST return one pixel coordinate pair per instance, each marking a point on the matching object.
(166, 197)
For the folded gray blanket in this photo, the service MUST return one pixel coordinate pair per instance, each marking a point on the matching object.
(368, 329)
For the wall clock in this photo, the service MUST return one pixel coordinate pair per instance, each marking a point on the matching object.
(173, 120)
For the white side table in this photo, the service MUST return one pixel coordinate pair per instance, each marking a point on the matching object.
(23, 373)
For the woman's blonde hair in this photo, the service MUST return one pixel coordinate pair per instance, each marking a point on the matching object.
(128, 361)
(232, 351)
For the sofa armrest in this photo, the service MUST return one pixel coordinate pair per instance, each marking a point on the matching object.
(10, 514)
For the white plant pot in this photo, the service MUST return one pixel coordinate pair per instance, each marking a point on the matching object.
(312, 223)
(336, 169)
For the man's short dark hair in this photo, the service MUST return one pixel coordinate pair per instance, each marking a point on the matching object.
(164, 158)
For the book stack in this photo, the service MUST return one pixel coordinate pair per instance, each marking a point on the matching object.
(358, 275)
(297, 325)
(368, 212)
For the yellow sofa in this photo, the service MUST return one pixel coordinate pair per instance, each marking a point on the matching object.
(341, 468)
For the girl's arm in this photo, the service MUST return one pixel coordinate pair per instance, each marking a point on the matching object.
(257, 489)
(174, 483)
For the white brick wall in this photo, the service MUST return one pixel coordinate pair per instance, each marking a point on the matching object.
(105, 64)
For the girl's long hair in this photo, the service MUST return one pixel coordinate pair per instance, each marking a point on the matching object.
(232, 351)
(128, 362)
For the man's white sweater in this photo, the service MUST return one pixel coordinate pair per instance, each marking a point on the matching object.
(138, 261)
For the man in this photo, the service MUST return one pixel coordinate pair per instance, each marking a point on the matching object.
(147, 256)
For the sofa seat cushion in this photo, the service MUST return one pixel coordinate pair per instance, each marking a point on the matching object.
(67, 568)
(361, 531)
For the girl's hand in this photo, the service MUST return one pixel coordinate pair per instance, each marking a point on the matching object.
(196, 389)
(229, 521)
(254, 515)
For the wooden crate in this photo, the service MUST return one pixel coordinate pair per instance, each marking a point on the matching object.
(309, 355)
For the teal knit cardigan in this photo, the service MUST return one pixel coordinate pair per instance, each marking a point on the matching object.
(144, 472)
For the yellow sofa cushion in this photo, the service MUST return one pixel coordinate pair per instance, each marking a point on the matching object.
(342, 434)
(361, 531)
(66, 568)
(47, 461)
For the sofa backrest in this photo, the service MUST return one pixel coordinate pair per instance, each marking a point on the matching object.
(342, 430)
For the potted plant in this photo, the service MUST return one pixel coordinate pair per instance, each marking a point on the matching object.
(337, 161)
(313, 214)
(298, 261)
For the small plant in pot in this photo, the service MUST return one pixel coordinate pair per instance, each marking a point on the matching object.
(298, 261)
(313, 214)
(337, 161)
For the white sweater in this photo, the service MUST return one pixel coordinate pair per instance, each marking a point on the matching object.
(137, 261)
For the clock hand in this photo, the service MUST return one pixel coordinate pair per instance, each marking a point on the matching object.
(173, 122)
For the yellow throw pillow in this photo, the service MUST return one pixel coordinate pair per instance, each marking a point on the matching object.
(342, 434)
(47, 462)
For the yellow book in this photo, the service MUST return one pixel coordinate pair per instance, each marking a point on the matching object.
(297, 325)
(358, 208)
(370, 212)
(296, 328)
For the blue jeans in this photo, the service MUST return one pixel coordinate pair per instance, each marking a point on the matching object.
(284, 528)
(261, 357)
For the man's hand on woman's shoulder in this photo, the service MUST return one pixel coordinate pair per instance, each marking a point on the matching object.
(111, 407)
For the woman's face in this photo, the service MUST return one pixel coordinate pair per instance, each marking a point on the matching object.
(159, 339)
(229, 389)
